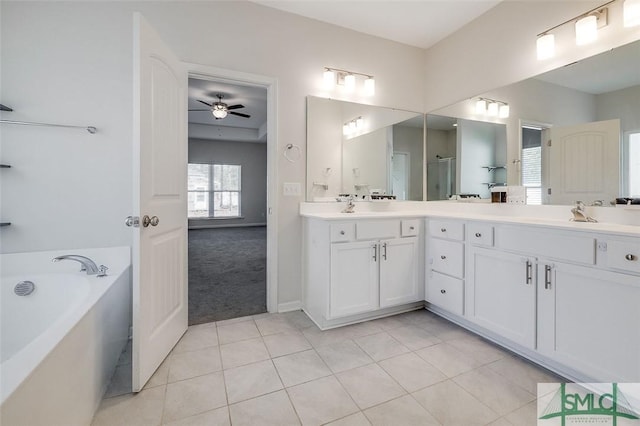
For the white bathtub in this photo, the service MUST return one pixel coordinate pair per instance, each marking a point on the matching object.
(60, 344)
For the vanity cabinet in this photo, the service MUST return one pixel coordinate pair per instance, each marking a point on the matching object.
(360, 269)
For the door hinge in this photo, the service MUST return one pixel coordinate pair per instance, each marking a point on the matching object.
(549, 142)
(548, 191)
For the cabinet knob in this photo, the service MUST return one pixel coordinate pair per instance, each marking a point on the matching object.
(411, 228)
(443, 291)
(478, 235)
(443, 229)
(631, 257)
(443, 257)
(341, 232)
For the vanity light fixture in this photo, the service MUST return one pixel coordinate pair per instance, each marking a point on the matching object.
(353, 126)
(587, 26)
(492, 107)
(346, 78)
(631, 13)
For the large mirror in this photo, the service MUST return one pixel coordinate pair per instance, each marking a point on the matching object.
(361, 150)
(572, 133)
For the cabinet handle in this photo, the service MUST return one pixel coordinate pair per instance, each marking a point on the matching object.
(384, 253)
(631, 257)
(443, 229)
(443, 291)
(375, 252)
(443, 257)
(547, 277)
(341, 232)
(478, 235)
(528, 275)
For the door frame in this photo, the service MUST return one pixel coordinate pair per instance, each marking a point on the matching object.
(205, 72)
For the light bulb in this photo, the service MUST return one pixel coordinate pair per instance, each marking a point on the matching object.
(631, 13)
(492, 109)
(329, 78)
(345, 129)
(481, 106)
(349, 82)
(370, 86)
(546, 46)
(352, 125)
(504, 111)
(359, 122)
(219, 112)
(586, 30)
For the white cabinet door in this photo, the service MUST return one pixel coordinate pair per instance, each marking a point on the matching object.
(501, 294)
(398, 271)
(354, 278)
(588, 320)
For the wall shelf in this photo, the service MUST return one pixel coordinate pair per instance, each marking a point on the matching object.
(5, 108)
(492, 168)
(5, 166)
(5, 223)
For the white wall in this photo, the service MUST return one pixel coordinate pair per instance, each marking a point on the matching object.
(252, 157)
(71, 62)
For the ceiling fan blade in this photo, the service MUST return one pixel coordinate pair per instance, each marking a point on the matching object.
(208, 110)
(235, 106)
(239, 114)
(203, 102)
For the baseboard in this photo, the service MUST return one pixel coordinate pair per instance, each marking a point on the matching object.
(296, 305)
(231, 225)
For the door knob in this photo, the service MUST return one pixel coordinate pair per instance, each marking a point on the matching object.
(132, 221)
(153, 221)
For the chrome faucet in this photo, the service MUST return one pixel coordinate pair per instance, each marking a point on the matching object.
(579, 213)
(350, 206)
(88, 265)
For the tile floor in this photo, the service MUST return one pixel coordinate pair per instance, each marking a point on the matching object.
(280, 369)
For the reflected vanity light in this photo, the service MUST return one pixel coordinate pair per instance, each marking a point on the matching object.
(631, 13)
(546, 46)
(335, 76)
(492, 108)
(353, 126)
(586, 30)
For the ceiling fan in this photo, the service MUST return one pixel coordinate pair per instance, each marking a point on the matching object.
(220, 109)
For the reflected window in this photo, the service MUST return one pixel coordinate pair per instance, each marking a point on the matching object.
(531, 162)
(213, 191)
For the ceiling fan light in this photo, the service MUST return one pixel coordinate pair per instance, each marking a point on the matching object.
(219, 111)
(586, 30)
(631, 13)
(546, 46)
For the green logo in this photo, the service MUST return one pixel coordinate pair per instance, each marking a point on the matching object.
(579, 402)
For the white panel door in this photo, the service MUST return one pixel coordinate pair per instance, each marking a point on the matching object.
(354, 278)
(585, 162)
(160, 161)
(398, 272)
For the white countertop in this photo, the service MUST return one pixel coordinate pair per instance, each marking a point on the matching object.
(611, 220)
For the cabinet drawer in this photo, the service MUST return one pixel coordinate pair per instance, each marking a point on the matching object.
(480, 234)
(341, 232)
(410, 227)
(445, 292)
(451, 230)
(623, 255)
(447, 257)
(377, 229)
(555, 245)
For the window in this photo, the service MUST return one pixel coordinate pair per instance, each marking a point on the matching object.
(532, 164)
(214, 190)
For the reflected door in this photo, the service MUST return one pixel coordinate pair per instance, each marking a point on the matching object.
(585, 162)
(400, 175)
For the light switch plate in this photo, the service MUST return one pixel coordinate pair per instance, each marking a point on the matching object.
(291, 189)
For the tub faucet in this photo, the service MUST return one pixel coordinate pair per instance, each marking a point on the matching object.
(88, 265)
(579, 213)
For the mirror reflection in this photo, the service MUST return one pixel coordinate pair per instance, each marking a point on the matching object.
(573, 133)
(361, 150)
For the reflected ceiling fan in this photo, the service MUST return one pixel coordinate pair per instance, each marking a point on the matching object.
(220, 109)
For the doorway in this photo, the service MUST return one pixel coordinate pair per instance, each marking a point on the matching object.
(227, 199)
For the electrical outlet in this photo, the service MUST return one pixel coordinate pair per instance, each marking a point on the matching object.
(291, 189)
